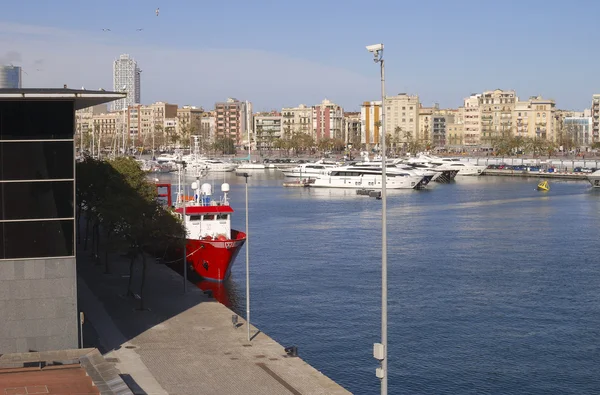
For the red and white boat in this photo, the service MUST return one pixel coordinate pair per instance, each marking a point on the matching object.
(211, 245)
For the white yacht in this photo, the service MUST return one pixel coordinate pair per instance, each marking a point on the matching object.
(464, 168)
(215, 165)
(395, 164)
(166, 158)
(308, 169)
(251, 166)
(594, 179)
(369, 177)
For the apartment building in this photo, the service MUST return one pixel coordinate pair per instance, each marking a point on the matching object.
(425, 124)
(328, 121)
(595, 118)
(267, 130)
(370, 118)
(454, 132)
(84, 118)
(495, 112)
(471, 120)
(402, 117)
(352, 128)
(208, 127)
(576, 131)
(534, 118)
(297, 120)
(439, 123)
(233, 120)
(189, 120)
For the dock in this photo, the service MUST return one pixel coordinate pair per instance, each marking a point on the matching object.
(299, 183)
(538, 174)
(183, 343)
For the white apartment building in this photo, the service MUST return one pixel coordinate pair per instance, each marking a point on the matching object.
(267, 130)
(126, 78)
(402, 117)
(297, 120)
(370, 118)
(596, 118)
(471, 120)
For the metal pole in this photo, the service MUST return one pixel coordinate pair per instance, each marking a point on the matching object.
(185, 280)
(384, 381)
(247, 264)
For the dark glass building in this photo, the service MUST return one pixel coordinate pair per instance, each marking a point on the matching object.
(38, 282)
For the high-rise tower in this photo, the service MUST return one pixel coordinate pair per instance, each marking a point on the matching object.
(126, 78)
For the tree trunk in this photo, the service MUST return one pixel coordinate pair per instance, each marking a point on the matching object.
(130, 282)
(143, 281)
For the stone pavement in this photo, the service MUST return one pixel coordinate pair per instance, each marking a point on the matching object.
(184, 344)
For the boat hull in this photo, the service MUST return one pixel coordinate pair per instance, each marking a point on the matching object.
(213, 259)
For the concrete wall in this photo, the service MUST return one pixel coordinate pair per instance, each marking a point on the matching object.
(38, 305)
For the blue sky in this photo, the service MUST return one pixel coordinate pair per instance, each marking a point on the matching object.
(280, 53)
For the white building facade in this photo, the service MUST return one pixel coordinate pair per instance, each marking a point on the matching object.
(126, 78)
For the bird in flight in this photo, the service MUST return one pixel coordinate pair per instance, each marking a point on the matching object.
(106, 30)
(157, 11)
(138, 30)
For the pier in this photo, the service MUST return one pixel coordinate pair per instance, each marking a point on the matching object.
(537, 174)
(183, 344)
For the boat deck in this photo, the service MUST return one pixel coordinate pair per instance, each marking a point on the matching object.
(185, 344)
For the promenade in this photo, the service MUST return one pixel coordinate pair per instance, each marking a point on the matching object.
(183, 344)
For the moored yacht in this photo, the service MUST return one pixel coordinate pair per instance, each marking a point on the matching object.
(215, 165)
(464, 168)
(369, 177)
(309, 169)
(594, 179)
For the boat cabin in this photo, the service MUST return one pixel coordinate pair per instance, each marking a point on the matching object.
(206, 218)
(204, 222)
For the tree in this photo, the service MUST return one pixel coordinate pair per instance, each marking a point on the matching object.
(116, 197)
(225, 145)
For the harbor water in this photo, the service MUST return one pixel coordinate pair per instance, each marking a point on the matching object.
(494, 287)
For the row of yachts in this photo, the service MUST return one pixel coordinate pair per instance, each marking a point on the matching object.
(410, 173)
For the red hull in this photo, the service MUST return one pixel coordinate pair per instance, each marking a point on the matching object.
(212, 259)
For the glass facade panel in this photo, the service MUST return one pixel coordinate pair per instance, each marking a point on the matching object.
(36, 120)
(32, 200)
(36, 239)
(36, 160)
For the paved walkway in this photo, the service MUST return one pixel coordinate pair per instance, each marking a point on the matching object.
(185, 344)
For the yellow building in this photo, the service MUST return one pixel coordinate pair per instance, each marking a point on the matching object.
(535, 118)
(402, 117)
(495, 110)
(370, 118)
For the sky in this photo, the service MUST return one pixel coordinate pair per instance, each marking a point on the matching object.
(281, 53)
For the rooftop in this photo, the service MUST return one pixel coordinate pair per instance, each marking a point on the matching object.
(80, 371)
(82, 98)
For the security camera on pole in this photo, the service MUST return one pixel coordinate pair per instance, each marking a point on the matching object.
(380, 349)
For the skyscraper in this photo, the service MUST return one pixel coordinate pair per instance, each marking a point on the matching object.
(10, 77)
(126, 78)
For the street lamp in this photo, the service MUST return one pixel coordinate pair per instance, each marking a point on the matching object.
(246, 175)
(181, 164)
(380, 349)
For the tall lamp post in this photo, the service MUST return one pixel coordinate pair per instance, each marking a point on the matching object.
(380, 349)
(246, 175)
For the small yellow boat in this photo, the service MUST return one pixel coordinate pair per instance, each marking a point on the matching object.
(543, 186)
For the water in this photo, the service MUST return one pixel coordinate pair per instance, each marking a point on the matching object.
(493, 285)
